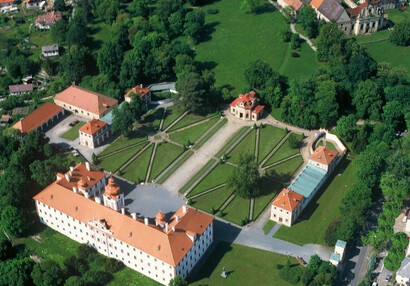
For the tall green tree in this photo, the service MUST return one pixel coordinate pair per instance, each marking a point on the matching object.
(110, 58)
(401, 34)
(193, 93)
(16, 271)
(59, 5)
(47, 273)
(308, 20)
(12, 221)
(194, 23)
(246, 178)
(258, 73)
(107, 10)
(123, 119)
(327, 106)
(131, 70)
(249, 6)
(346, 127)
(367, 100)
(329, 43)
(6, 249)
(73, 64)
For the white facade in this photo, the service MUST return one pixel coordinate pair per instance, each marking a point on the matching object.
(283, 216)
(96, 139)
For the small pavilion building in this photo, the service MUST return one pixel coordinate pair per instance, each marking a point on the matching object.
(246, 107)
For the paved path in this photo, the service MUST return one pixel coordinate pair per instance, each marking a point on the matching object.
(151, 161)
(274, 150)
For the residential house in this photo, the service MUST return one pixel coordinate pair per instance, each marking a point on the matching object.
(49, 51)
(144, 93)
(94, 133)
(45, 22)
(296, 4)
(85, 103)
(20, 89)
(40, 119)
(329, 10)
(286, 207)
(323, 158)
(403, 274)
(161, 251)
(5, 118)
(246, 107)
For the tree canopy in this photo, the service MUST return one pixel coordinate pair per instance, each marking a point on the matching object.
(245, 179)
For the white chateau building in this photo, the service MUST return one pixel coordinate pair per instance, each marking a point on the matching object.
(82, 206)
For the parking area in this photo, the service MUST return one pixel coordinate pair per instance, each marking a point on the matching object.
(56, 141)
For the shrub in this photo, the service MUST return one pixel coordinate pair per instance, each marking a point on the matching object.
(96, 277)
(295, 41)
(285, 35)
(113, 265)
(295, 55)
(84, 251)
(212, 11)
(221, 213)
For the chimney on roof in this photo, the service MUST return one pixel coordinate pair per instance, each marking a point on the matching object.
(184, 209)
(67, 177)
(145, 220)
(86, 195)
(177, 218)
(123, 211)
(134, 216)
(173, 228)
(71, 168)
(87, 165)
(166, 227)
(75, 190)
(97, 200)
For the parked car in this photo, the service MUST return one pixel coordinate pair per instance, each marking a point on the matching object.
(73, 123)
(388, 277)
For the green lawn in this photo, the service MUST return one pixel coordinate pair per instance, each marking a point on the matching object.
(321, 211)
(181, 161)
(269, 190)
(72, 133)
(171, 114)
(233, 138)
(114, 162)
(122, 142)
(215, 129)
(237, 210)
(100, 33)
(328, 145)
(137, 170)
(276, 113)
(193, 133)
(166, 154)
(246, 146)
(283, 152)
(268, 226)
(285, 170)
(269, 137)
(151, 122)
(217, 176)
(244, 265)
(196, 176)
(214, 199)
(234, 39)
(190, 119)
(40, 38)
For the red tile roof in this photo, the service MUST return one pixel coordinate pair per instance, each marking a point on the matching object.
(6, 1)
(87, 100)
(92, 126)
(112, 189)
(287, 200)
(355, 12)
(258, 109)
(21, 88)
(316, 3)
(37, 117)
(296, 4)
(80, 175)
(323, 155)
(248, 100)
(49, 18)
(138, 89)
(170, 247)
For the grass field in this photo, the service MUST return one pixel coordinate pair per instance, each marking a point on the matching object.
(244, 265)
(246, 146)
(217, 176)
(196, 176)
(112, 163)
(322, 210)
(214, 199)
(269, 137)
(215, 129)
(328, 145)
(237, 210)
(268, 226)
(40, 38)
(286, 169)
(122, 142)
(269, 189)
(72, 133)
(166, 153)
(137, 170)
(228, 54)
(181, 161)
(233, 138)
(190, 119)
(151, 122)
(171, 114)
(193, 133)
(283, 152)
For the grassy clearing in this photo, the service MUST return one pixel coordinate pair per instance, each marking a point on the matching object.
(114, 162)
(237, 210)
(171, 114)
(320, 212)
(215, 129)
(217, 176)
(175, 167)
(269, 190)
(246, 146)
(193, 133)
(283, 152)
(328, 145)
(100, 33)
(214, 199)
(151, 122)
(166, 153)
(40, 38)
(285, 170)
(196, 176)
(268, 226)
(234, 137)
(269, 137)
(244, 265)
(137, 170)
(190, 119)
(72, 133)
(122, 142)
(276, 113)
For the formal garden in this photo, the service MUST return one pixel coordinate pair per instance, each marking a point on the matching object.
(208, 189)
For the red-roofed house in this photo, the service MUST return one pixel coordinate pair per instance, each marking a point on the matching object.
(44, 22)
(286, 207)
(145, 94)
(323, 158)
(296, 4)
(20, 89)
(160, 252)
(40, 119)
(246, 107)
(94, 133)
(87, 104)
(4, 3)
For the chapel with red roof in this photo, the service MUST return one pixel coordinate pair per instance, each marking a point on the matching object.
(246, 107)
